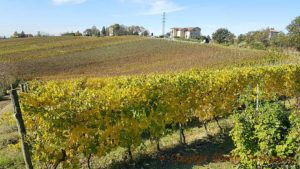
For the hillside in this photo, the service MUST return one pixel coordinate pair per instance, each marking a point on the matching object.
(136, 111)
(61, 57)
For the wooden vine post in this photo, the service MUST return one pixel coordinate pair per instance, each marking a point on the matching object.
(181, 134)
(21, 126)
(257, 98)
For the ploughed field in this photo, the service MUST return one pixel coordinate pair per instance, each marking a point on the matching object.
(61, 57)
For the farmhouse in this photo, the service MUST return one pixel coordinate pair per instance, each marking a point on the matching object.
(273, 32)
(111, 31)
(187, 33)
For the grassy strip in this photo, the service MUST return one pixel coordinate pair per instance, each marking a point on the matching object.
(10, 157)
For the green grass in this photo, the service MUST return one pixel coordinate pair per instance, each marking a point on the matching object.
(10, 157)
(224, 165)
(201, 151)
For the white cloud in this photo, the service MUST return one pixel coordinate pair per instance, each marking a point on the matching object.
(61, 2)
(158, 6)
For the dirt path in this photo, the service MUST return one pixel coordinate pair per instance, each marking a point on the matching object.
(5, 104)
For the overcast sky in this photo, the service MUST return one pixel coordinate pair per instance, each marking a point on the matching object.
(58, 16)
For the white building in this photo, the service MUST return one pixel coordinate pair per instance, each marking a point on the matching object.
(111, 31)
(187, 33)
(273, 32)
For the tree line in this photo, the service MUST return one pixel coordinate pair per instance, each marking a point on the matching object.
(21, 35)
(262, 39)
(116, 30)
(113, 30)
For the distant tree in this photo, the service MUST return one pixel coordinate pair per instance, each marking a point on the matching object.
(88, 32)
(134, 33)
(22, 34)
(119, 30)
(42, 34)
(204, 39)
(136, 30)
(103, 31)
(123, 30)
(116, 29)
(260, 36)
(39, 34)
(168, 34)
(95, 31)
(294, 32)
(241, 38)
(223, 36)
(78, 33)
(68, 34)
(281, 40)
(294, 27)
(16, 34)
(146, 33)
(143, 31)
(259, 39)
(131, 30)
(208, 38)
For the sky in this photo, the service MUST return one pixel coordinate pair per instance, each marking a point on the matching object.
(59, 16)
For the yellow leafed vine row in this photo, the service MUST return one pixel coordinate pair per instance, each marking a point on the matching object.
(69, 119)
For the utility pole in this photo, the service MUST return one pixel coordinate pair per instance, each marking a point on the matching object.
(164, 24)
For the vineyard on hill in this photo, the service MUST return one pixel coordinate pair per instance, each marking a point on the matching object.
(63, 57)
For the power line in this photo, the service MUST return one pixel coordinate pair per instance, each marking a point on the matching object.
(164, 24)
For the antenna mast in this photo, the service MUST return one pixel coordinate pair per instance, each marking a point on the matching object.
(164, 24)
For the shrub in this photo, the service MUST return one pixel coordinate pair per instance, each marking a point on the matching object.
(243, 45)
(258, 45)
(1, 94)
(223, 36)
(268, 137)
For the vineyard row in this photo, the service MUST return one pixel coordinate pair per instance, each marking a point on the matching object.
(70, 119)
